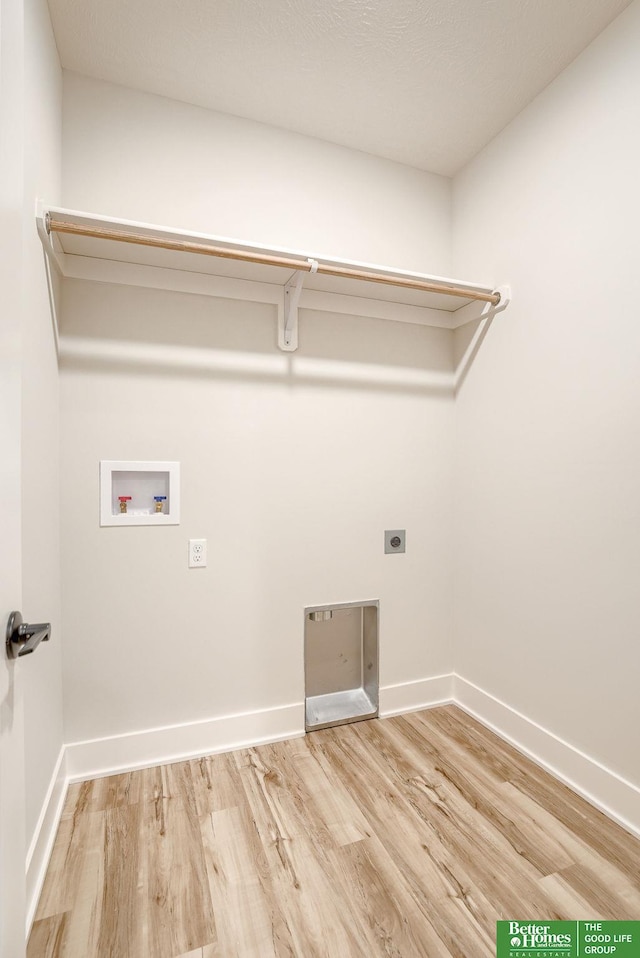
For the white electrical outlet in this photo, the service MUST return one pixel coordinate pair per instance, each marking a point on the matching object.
(197, 553)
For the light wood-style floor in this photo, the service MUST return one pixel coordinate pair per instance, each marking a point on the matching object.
(400, 837)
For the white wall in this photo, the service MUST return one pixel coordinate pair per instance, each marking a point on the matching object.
(292, 466)
(290, 474)
(145, 157)
(548, 445)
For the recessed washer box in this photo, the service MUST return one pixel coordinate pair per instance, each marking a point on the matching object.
(141, 486)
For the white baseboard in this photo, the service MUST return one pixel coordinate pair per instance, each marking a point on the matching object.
(599, 785)
(175, 743)
(44, 836)
(411, 696)
(97, 758)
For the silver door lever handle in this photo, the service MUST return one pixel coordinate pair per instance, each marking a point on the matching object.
(23, 638)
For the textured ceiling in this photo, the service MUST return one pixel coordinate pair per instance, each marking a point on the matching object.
(425, 82)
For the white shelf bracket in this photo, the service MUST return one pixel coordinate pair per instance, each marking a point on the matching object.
(51, 258)
(505, 298)
(288, 319)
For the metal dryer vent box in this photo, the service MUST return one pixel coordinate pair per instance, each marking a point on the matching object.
(340, 664)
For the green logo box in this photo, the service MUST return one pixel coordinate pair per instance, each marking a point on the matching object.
(567, 939)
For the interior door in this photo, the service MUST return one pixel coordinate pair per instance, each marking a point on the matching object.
(12, 782)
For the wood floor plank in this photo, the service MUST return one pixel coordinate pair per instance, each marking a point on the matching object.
(209, 951)
(451, 831)
(173, 782)
(237, 887)
(103, 793)
(387, 812)
(569, 834)
(575, 813)
(430, 872)
(330, 802)
(595, 889)
(84, 887)
(120, 933)
(481, 790)
(382, 903)
(578, 849)
(271, 771)
(179, 911)
(47, 937)
(318, 806)
(461, 932)
(401, 837)
(59, 885)
(74, 875)
(569, 900)
(72, 803)
(479, 798)
(320, 922)
(216, 783)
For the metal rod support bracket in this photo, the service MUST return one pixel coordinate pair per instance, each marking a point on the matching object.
(288, 326)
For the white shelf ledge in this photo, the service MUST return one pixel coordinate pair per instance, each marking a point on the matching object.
(99, 247)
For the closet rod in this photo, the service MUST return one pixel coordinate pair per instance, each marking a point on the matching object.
(266, 259)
